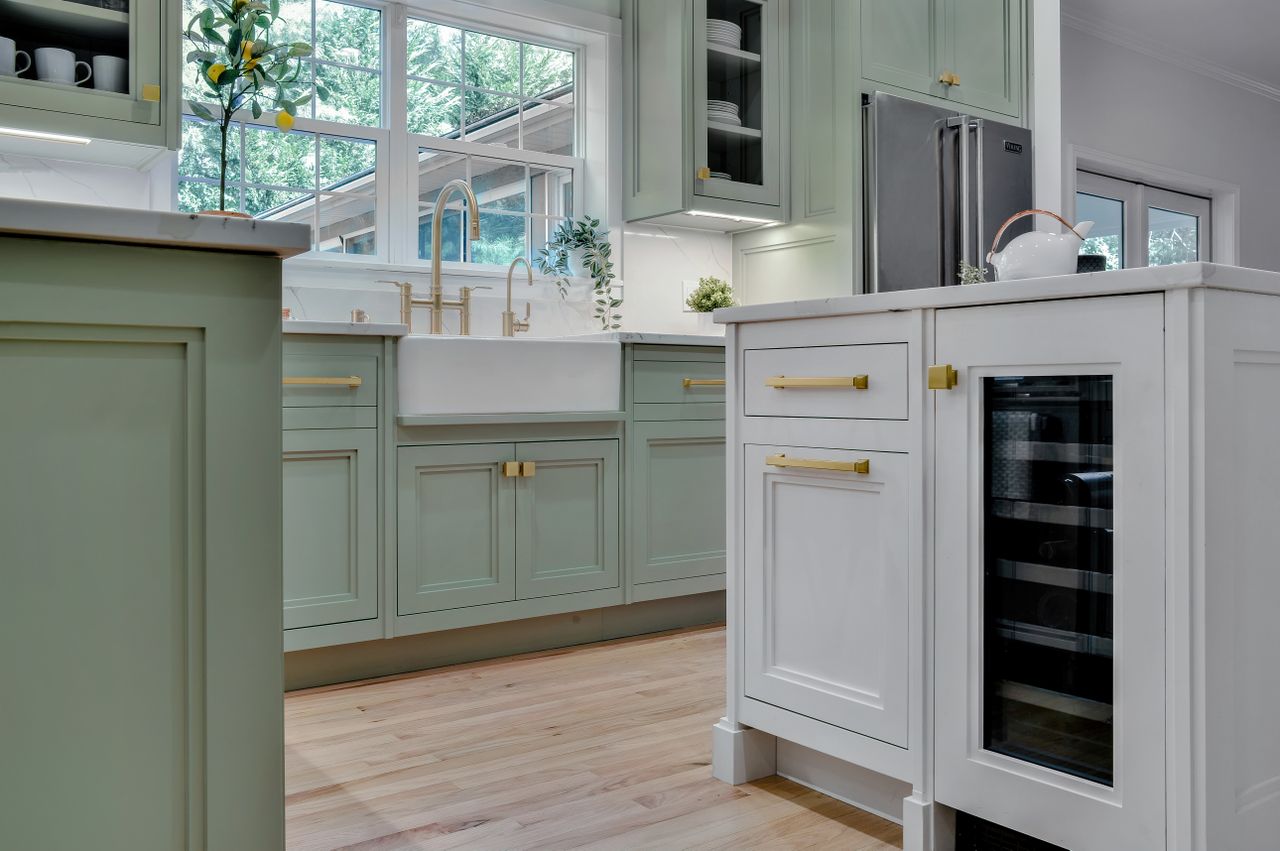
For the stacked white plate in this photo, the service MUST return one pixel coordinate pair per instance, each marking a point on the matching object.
(726, 33)
(722, 175)
(723, 112)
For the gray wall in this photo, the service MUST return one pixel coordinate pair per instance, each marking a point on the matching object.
(1125, 103)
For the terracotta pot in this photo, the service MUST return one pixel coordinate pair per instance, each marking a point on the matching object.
(228, 213)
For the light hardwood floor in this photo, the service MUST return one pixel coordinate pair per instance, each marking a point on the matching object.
(601, 746)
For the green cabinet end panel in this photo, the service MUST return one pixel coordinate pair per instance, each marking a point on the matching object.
(678, 500)
(456, 535)
(139, 548)
(567, 518)
(330, 526)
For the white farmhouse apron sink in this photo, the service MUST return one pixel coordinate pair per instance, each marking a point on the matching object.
(504, 375)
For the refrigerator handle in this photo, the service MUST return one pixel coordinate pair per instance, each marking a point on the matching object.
(966, 218)
(980, 184)
(870, 181)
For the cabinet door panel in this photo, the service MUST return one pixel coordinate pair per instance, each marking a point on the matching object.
(567, 518)
(985, 51)
(456, 531)
(678, 502)
(901, 43)
(1049, 552)
(330, 526)
(748, 152)
(826, 589)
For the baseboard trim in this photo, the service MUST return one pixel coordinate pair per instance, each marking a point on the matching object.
(860, 787)
(367, 659)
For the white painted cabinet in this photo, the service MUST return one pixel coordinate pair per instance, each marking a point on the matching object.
(1047, 603)
(826, 607)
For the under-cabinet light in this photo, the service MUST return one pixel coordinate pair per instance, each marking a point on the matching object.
(44, 137)
(732, 217)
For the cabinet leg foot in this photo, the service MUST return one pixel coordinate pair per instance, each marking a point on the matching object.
(927, 825)
(741, 754)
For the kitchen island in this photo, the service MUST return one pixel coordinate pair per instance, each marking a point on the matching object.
(140, 529)
(1001, 557)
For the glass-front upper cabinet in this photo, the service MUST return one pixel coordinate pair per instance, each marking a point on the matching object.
(735, 99)
(1049, 560)
(93, 68)
(704, 138)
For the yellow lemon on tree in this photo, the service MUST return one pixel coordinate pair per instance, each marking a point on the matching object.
(248, 50)
(284, 120)
(215, 71)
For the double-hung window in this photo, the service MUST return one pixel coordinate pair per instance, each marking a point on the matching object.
(1140, 225)
(326, 171)
(364, 167)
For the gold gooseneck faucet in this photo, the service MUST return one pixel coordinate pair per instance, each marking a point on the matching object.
(510, 325)
(437, 303)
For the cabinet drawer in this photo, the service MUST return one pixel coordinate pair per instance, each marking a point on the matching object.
(678, 381)
(840, 382)
(316, 380)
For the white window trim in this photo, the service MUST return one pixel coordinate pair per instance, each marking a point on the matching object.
(1137, 198)
(595, 41)
(1224, 198)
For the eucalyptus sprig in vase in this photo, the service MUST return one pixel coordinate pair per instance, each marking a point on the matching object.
(240, 67)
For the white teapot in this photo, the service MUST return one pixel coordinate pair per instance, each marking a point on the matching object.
(1037, 254)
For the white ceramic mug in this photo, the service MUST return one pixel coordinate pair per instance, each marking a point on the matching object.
(55, 65)
(109, 73)
(9, 54)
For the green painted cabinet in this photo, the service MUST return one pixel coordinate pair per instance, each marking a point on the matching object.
(704, 91)
(968, 52)
(985, 43)
(147, 34)
(677, 500)
(456, 531)
(902, 44)
(330, 526)
(495, 522)
(140, 544)
(567, 507)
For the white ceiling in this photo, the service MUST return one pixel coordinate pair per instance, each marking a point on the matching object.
(1241, 37)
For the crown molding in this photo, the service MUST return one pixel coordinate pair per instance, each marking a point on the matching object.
(1139, 43)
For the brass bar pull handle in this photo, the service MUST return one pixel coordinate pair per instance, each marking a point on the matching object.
(528, 469)
(511, 469)
(855, 382)
(702, 382)
(861, 466)
(351, 382)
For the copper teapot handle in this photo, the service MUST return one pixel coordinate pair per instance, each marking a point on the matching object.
(1017, 216)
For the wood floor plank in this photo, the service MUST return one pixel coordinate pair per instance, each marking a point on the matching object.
(606, 746)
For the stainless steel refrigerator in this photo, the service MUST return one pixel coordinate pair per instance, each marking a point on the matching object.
(937, 186)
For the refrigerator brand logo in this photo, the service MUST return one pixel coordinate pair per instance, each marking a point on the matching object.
(1012, 147)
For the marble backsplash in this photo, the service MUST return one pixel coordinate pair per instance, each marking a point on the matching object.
(653, 263)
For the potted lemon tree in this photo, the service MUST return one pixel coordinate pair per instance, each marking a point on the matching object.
(240, 67)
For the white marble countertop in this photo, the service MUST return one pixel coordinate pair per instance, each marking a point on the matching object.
(1148, 279)
(54, 220)
(355, 329)
(654, 338)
